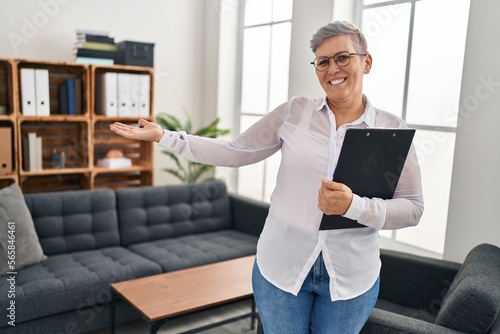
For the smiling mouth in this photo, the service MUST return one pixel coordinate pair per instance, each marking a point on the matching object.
(337, 81)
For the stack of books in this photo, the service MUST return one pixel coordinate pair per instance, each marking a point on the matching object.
(94, 47)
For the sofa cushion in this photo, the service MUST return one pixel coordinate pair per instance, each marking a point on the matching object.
(417, 313)
(473, 301)
(18, 238)
(71, 221)
(66, 282)
(197, 249)
(159, 212)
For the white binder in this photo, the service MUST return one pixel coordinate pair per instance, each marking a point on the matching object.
(124, 109)
(42, 92)
(144, 107)
(135, 93)
(107, 94)
(28, 98)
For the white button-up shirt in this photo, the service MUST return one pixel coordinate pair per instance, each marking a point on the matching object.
(304, 130)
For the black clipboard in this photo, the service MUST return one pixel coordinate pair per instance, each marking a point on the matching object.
(370, 163)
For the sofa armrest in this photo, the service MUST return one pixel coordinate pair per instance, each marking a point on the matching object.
(415, 281)
(383, 322)
(248, 215)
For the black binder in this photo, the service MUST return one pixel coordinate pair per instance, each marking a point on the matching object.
(370, 163)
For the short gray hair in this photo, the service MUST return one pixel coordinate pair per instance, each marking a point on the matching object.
(340, 28)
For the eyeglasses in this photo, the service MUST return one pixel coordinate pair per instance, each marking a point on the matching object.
(341, 58)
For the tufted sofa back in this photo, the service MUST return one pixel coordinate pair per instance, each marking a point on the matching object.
(152, 213)
(74, 220)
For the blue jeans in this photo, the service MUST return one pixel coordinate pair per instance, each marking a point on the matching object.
(312, 310)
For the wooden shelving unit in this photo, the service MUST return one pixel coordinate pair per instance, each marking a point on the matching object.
(84, 137)
(141, 153)
(8, 119)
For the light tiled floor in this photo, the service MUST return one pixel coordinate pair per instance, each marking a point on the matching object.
(185, 323)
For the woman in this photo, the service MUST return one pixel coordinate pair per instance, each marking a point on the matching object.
(307, 280)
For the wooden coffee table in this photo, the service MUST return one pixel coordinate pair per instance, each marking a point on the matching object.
(161, 297)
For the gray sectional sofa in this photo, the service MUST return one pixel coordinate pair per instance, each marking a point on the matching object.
(92, 238)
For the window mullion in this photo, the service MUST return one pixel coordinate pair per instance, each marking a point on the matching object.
(408, 62)
(266, 24)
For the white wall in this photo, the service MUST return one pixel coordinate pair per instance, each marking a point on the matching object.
(228, 85)
(473, 216)
(182, 31)
(307, 18)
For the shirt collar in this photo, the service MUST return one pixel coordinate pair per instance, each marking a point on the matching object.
(368, 115)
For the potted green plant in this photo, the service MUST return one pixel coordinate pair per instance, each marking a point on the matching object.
(191, 172)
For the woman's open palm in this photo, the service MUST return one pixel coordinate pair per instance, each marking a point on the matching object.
(147, 131)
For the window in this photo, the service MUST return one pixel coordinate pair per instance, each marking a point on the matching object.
(264, 82)
(418, 51)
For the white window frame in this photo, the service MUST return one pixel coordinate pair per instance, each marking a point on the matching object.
(238, 112)
(359, 7)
